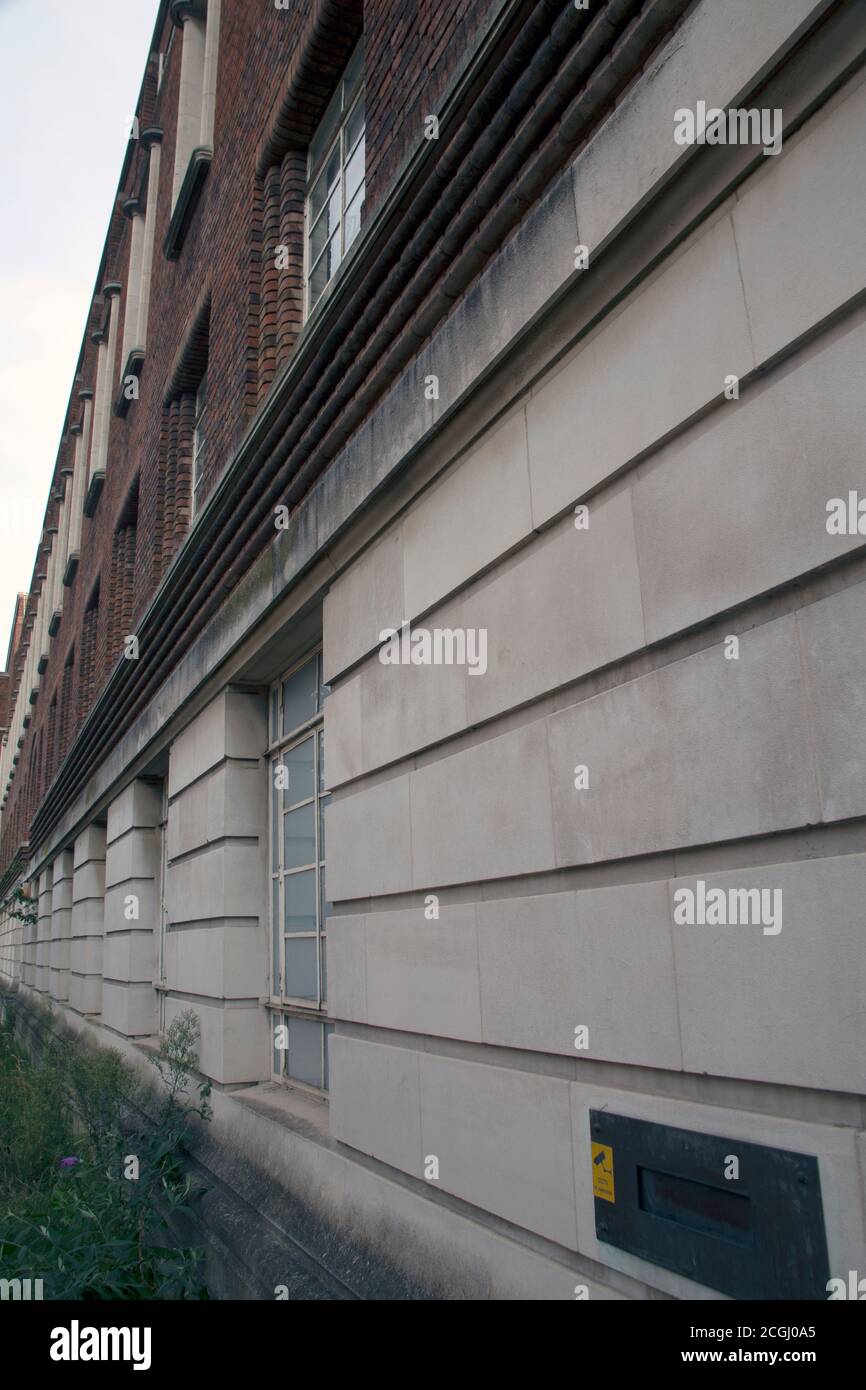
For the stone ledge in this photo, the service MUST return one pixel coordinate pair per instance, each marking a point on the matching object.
(94, 492)
(187, 200)
(132, 367)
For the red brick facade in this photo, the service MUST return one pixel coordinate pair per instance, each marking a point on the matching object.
(222, 306)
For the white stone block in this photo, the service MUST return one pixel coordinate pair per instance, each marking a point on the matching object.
(374, 1103)
(739, 504)
(503, 1141)
(366, 598)
(422, 975)
(779, 1006)
(570, 604)
(793, 280)
(369, 841)
(833, 650)
(714, 56)
(702, 750)
(481, 813)
(600, 959)
(481, 505)
(649, 366)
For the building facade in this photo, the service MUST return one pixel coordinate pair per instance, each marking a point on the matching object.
(443, 664)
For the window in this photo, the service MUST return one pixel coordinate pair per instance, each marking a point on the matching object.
(183, 440)
(87, 668)
(121, 584)
(162, 831)
(335, 180)
(198, 443)
(298, 907)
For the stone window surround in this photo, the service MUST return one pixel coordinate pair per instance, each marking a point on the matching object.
(46, 597)
(142, 218)
(105, 338)
(200, 22)
(64, 498)
(81, 433)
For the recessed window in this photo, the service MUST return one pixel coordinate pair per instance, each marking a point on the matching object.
(335, 180)
(297, 849)
(199, 436)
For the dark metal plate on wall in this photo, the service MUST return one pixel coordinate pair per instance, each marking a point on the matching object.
(663, 1194)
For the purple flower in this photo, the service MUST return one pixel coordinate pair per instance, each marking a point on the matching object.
(68, 1162)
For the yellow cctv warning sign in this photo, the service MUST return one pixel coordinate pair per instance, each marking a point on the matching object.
(602, 1172)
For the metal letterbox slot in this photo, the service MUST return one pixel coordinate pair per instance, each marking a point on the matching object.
(661, 1193)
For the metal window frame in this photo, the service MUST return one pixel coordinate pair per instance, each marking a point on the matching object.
(348, 100)
(163, 911)
(282, 1006)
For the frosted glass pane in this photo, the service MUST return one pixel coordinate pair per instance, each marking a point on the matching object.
(300, 696)
(301, 972)
(300, 891)
(299, 836)
(301, 775)
(305, 1051)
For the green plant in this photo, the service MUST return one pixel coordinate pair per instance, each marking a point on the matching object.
(20, 906)
(92, 1184)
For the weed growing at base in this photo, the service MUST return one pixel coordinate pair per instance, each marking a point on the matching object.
(103, 1227)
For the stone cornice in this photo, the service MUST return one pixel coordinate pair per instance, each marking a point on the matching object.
(182, 10)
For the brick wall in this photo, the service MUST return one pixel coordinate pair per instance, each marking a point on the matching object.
(219, 304)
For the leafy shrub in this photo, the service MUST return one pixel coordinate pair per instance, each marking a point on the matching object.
(91, 1173)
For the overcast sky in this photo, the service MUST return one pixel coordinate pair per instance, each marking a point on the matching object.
(70, 73)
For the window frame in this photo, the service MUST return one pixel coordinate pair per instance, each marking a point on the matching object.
(282, 1007)
(162, 922)
(349, 94)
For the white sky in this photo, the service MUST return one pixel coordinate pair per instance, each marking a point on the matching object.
(70, 73)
